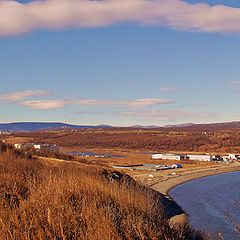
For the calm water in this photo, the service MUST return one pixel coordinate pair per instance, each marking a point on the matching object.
(207, 200)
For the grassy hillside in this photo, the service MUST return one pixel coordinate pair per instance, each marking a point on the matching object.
(73, 201)
(142, 139)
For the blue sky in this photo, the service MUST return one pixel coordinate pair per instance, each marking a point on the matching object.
(122, 73)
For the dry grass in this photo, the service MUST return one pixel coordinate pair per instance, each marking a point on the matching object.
(73, 201)
(213, 140)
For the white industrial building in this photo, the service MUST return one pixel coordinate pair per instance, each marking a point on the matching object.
(196, 157)
(199, 157)
(167, 156)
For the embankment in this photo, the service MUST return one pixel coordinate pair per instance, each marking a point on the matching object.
(176, 214)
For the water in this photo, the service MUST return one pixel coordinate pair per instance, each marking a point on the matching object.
(207, 201)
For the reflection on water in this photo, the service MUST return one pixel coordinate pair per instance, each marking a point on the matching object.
(207, 201)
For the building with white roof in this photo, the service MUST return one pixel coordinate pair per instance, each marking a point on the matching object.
(167, 156)
(200, 157)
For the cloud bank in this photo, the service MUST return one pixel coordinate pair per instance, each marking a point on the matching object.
(142, 109)
(171, 115)
(235, 85)
(17, 18)
(44, 104)
(17, 96)
(27, 98)
(168, 89)
(56, 104)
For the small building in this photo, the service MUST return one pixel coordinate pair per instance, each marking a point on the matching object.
(168, 156)
(225, 158)
(200, 157)
(232, 157)
(17, 145)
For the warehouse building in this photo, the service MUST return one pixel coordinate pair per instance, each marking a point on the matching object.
(199, 157)
(169, 156)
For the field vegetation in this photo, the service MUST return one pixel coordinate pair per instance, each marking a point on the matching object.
(77, 201)
(192, 140)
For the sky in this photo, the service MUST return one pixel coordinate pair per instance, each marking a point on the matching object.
(134, 62)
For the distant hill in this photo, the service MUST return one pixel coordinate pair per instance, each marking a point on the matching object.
(141, 126)
(179, 125)
(35, 126)
(194, 126)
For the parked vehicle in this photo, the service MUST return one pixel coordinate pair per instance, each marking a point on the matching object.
(177, 165)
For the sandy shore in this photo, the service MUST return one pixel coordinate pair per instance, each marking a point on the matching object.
(176, 214)
(165, 186)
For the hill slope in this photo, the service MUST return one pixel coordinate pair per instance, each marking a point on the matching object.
(208, 126)
(34, 126)
(40, 200)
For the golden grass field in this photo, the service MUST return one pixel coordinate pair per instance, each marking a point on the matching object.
(47, 198)
(81, 198)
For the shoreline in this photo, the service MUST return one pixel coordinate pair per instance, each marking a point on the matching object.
(175, 213)
(166, 186)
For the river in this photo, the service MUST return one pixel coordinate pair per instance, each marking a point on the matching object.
(207, 201)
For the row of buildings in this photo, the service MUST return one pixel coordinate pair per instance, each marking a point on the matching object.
(5, 133)
(37, 147)
(148, 167)
(196, 157)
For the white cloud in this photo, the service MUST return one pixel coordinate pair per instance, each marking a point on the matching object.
(22, 98)
(44, 104)
(94, 112)
(89, 102)
(235, 85)
(171, 116)
(56, 104)
(168, 89)
(17, 96)
(16, 18)
(149, 102)
(136, 103)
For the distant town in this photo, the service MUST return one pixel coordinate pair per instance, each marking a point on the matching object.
(157, 156)
(139, 167)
